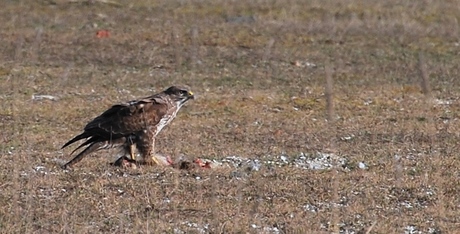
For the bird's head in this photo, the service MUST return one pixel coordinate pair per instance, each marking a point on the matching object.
(179, 94)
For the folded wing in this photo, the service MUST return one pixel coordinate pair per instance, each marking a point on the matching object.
(118, 124)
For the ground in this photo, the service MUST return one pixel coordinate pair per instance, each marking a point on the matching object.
(380, 157)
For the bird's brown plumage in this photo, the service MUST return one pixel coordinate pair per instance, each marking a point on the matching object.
(135, 123)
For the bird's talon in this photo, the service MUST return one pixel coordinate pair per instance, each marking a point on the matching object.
(125, 163)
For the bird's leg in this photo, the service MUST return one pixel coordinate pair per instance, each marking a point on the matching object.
(146, 146)
(123, 160)
(152, 152)
(150, 157)
(155, 160)
(130, 141)
(131, 152)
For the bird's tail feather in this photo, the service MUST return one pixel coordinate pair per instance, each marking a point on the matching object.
(95, 144)
(77, 138)
(87, 142)
(91, 148)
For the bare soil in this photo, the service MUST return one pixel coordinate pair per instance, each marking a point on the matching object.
(381, 157)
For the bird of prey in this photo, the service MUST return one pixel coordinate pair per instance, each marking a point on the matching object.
(131, 125)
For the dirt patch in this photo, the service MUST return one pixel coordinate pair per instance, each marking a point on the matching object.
(385, 162)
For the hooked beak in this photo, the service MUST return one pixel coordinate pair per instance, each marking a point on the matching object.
(190, 95)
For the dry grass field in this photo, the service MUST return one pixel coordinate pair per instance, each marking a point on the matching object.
(382, 156)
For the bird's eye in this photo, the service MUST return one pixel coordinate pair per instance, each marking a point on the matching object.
(183, 92)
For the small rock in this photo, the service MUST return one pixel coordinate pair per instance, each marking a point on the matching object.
(362, 165)
(41, 97)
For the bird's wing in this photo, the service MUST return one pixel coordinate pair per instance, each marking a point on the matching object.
(123, 120)
(128, 118)
(117, 123)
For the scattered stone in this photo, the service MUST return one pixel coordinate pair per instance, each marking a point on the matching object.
(41, 97)
(299, 63)
(240, 19)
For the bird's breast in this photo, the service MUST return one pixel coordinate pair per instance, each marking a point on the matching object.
(165, 120)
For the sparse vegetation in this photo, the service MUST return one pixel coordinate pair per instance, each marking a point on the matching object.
(257, 69)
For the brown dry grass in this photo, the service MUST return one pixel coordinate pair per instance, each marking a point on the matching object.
(254, 101)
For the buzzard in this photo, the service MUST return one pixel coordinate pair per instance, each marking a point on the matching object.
(131, 125)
